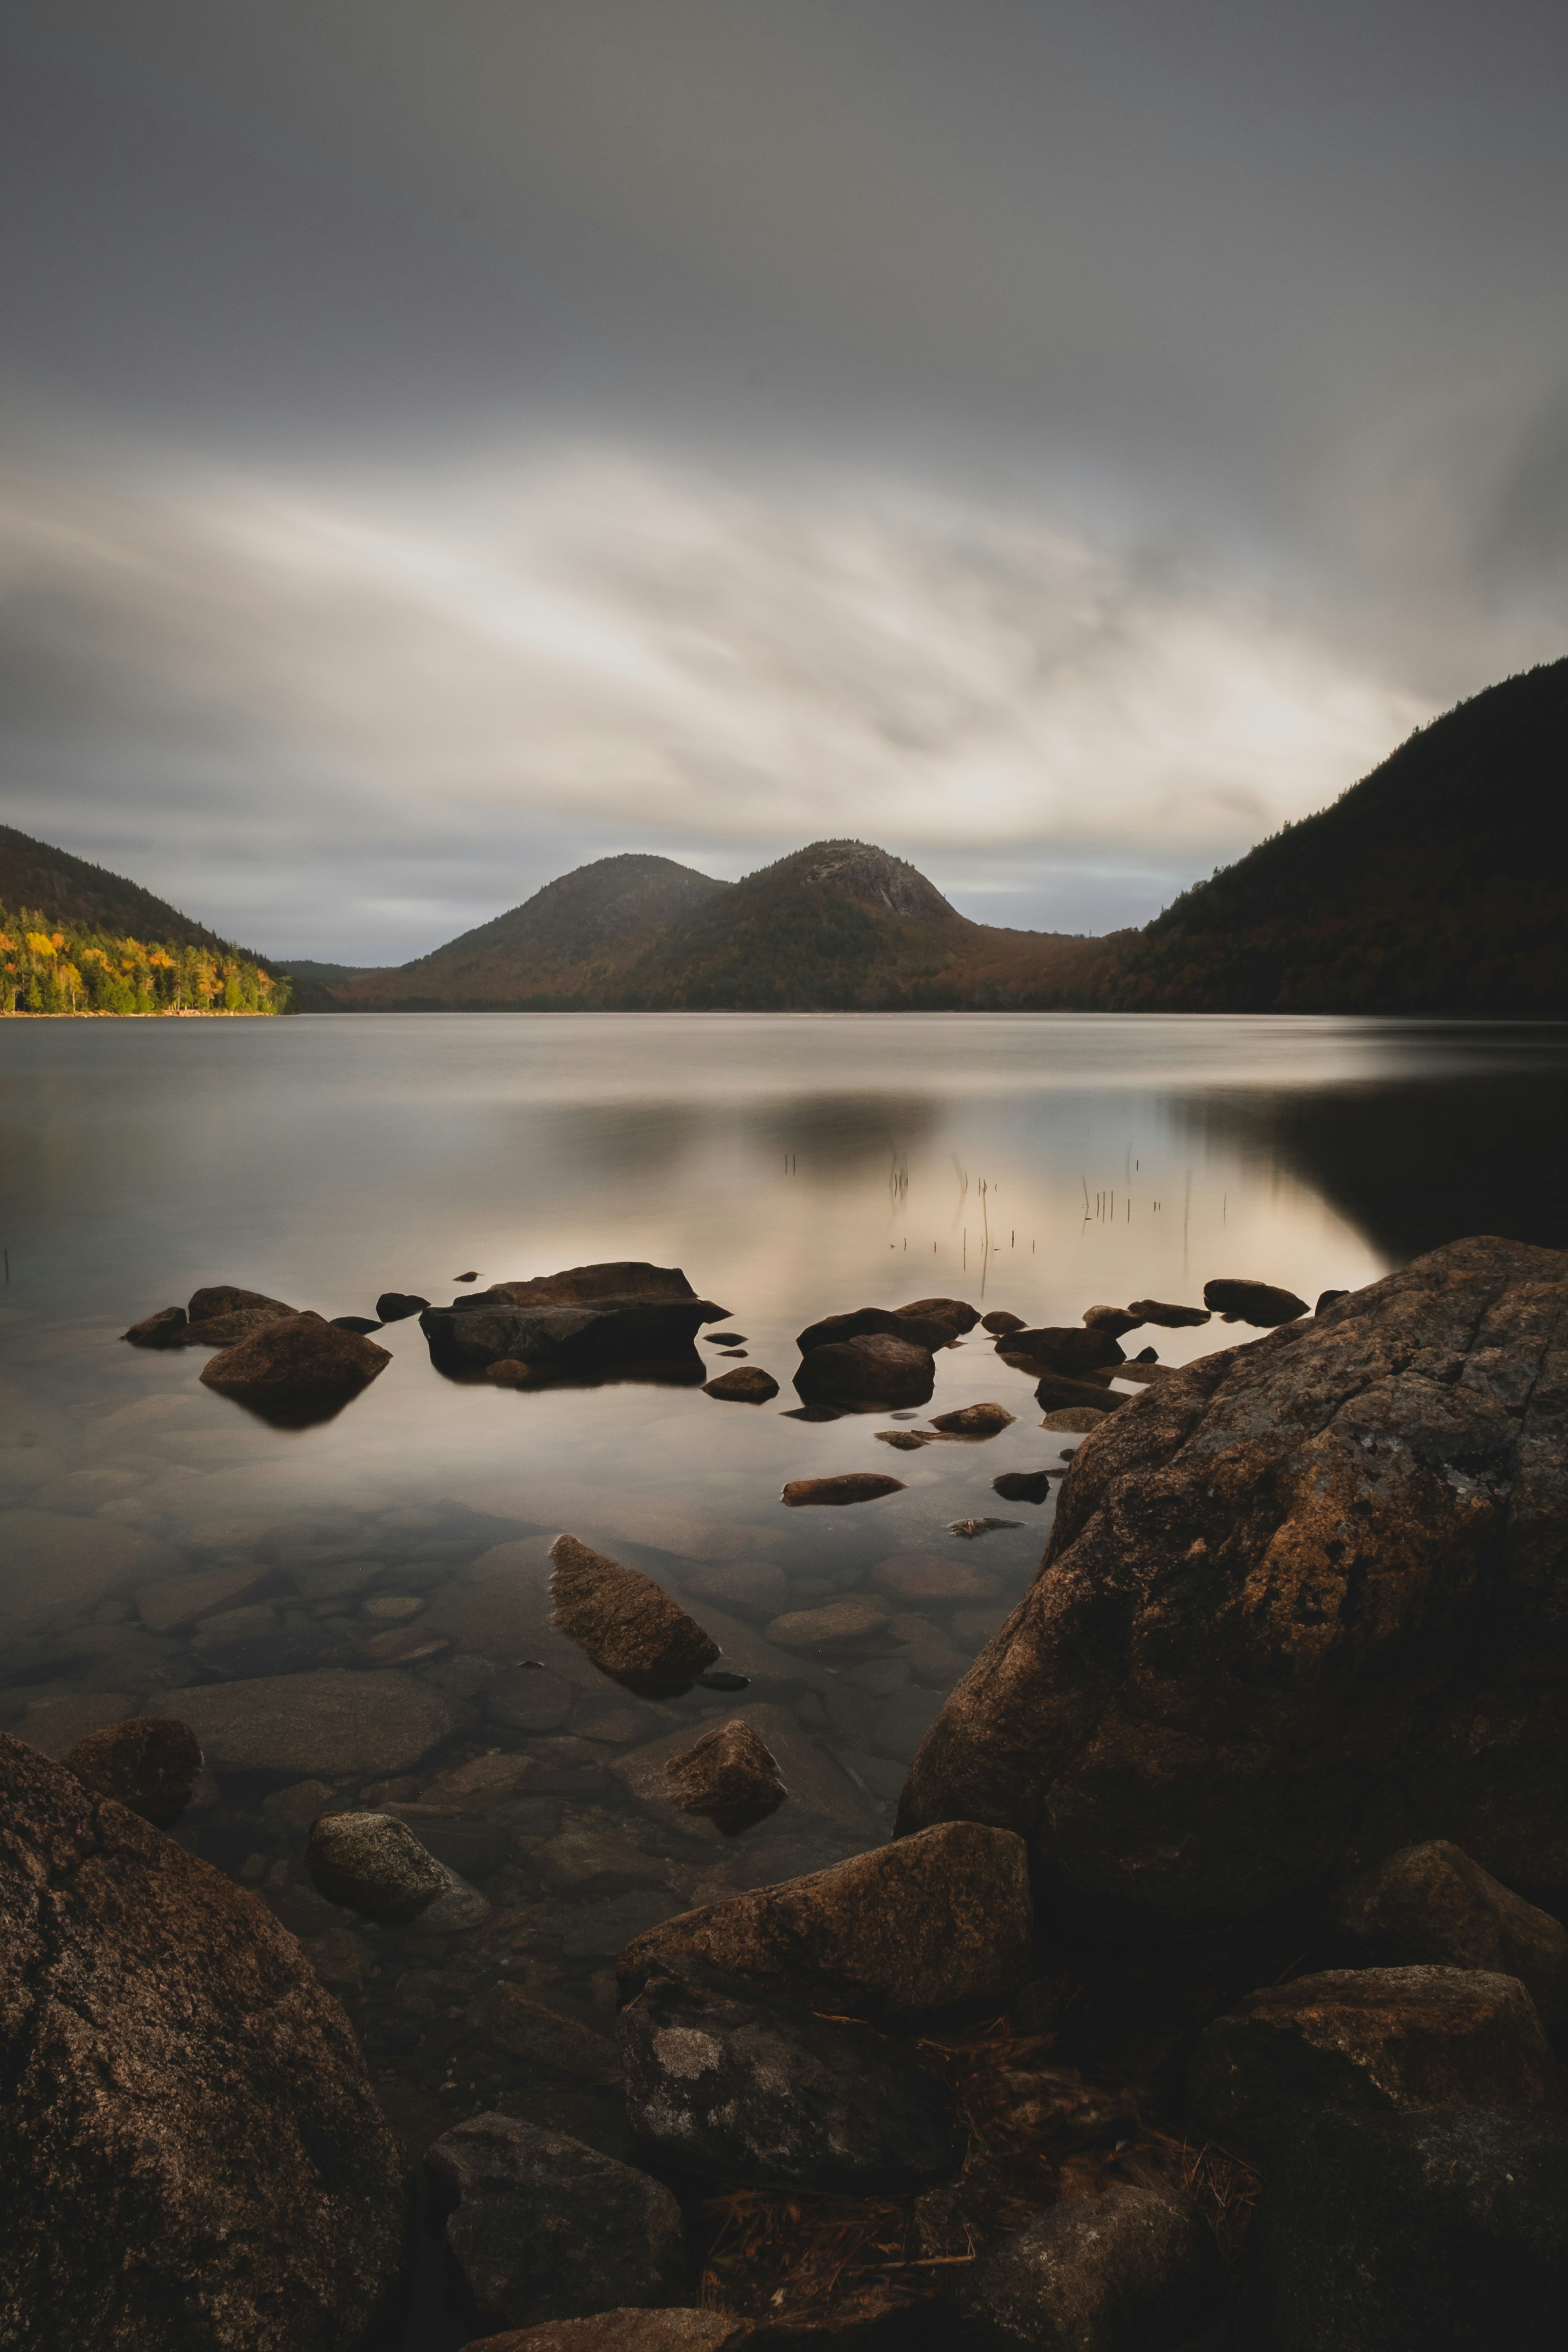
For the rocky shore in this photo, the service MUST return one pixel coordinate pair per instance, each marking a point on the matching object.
(1209, 1992)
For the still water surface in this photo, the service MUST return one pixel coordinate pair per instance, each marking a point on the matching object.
(793, 1167)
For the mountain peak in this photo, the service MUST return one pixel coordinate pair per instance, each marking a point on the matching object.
(861, 870)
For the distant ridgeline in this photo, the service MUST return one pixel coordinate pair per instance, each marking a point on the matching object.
(43, 969)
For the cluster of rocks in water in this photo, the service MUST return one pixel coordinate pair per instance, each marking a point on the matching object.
(1210, 1990)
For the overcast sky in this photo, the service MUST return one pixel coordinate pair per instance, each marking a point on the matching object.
(449, 440)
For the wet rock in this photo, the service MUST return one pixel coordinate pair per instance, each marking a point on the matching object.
(509, 1372)
(1441, 2231)
(226, 1330)
(1431, 1905)
(907, 1441)
(726, 1338)
(924, 1577)
(1327, 1299)
(1057, 1393)
(747, 1385)
(1065, 1348)
(1258, 1303)
(326, 1723)
(738, 2084)
(361, 1323)
(1023, 1485)
(396, 1306)
(483, 1782)
(903, 1931)
(854, 1486)
(1075, 1419)
(225, 1298)
(727, 1776)
(817, 1787)
(543, 2227)
(954, 1316)
(628, 2331)
(164, 1330)
(180, 2090)
(171, 1608)
(875, 1370)
(373, 1864)
(528, 1699)
(835, 1623)
(586, 1316)
(1133, 2267)
(454, 1912)
(1117, 1320)
(974, 1421)
(567, 2036)
(1172, 1318)
(970, 1529)
(1144, 1356)
(150, 1765)
(626, 1624)
(873, 1322)
(1370, 2038)
(1280, 1609)
(295, 1353)
(999, 1321)
(330, 1579)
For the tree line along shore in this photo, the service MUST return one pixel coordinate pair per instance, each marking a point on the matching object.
(47, 970)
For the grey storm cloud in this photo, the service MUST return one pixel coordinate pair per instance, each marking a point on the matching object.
(1062, 443)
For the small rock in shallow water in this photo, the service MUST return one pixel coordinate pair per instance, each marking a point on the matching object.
(407, 1645)
(1116, 1320)
(907, 1441)
(1074, 1420)
(396, 1306)
(972, 1527)
(164, 1330)
(374, 1863)
(868, 1370)
(550, 2031)
(750, 2088)
(631, 2331)
(150, 1765)
(1261, 1304)
(974, 1421)
(1171, 1318)
(297, 1352)
(853, 1487)
(727, 1776)
(542, 2227)
(753, 1386)
(999, 1321)
(391, 1608)
(361, 1323)
(626, 1624)
(854, 1619)
(751, 1584)
(1023, 1485)
(725, 1339)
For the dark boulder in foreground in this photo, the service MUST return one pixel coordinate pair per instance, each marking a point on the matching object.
(625, 1622)
(1440, 2231)
(1369, 2038)
(540, 2226)
(150, 1765)
(874, 1369)
(851, 1486)
(727, 1776)
(1293, 1613)
(900, 1931)
(1135, 2269)
(731, 2081)
(295, 1354)
(193, 2160)
(1261, 1303)
(1431, 1905)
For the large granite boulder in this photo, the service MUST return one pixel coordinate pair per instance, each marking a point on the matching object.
(736, 2084)
(1440, 2231)
(295, 1355)
(193, 2158)
(1370, 2038)
(1294, 1613)
(587, 1317)
(901, 1931)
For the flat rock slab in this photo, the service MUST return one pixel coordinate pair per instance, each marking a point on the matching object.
(540, 2226)
(1273, 1597)
(746, 2087)
(851, 1486)
(1370, 2038)
(832, 1625)
(328, 1723)
(1171, 1318)
(903, 1930)
(181, 2094)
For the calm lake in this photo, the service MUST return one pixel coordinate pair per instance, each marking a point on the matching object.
(793, 1167)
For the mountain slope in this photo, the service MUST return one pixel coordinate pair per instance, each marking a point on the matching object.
(1435, 884)
(49, 881)
(561, 948)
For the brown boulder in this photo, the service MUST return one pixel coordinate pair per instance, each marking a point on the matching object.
(974, 1421)
(1171, 1319)
(851, 1486)
(1370, 2038)
(1116, 1320)
(727, 1776)
(149, 1765)
(297, 1353)
(954, 1315)
(625, 1622)
(874, 1369)
(226, 1330)
(164, 1330)
(193, 2159)
(747, 1384)
(1068, 1348)
(1261, 1303)
(877, 1322)
(225, 1298)
(1056, 1392)
(900, 1931)
(1293, 1613)
(1001, 1322)
(1431, 1905)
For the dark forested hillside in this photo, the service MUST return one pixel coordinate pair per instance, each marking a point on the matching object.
(89, 899)
(1436, 884)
